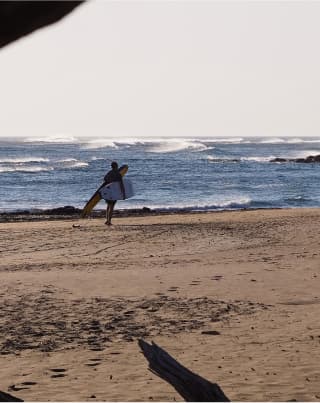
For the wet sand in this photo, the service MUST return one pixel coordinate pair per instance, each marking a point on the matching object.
(76, 296)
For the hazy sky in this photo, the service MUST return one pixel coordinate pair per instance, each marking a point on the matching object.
(167, 68)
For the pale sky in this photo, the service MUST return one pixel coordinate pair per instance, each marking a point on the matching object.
(167, 68)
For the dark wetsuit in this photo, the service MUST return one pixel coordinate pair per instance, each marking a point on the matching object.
(112, 176)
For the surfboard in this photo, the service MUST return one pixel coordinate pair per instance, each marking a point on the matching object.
(113, 191)
(96, 197)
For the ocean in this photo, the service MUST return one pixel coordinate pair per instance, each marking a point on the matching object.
(167, 173)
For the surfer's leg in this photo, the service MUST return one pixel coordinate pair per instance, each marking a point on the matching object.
(108, 212)
(110, 208)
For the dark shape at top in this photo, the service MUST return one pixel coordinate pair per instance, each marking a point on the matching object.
(19, 18)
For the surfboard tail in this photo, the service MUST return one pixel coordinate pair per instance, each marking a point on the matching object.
(90, 205)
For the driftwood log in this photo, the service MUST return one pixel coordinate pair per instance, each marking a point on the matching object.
(192, 387)
(19, 18)
(5, 397)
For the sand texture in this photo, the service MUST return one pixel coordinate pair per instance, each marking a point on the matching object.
(76, 296)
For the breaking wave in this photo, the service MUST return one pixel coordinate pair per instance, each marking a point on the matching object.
(59, 139)
(35, 169)
(263, 140)
(23, 160)
(78, 164)
(70, 163)
(206, 206)
(168, 146)
(213, 159)
(165, 145)
(304, 153)
(235, 140)
(28, 164)
(98, 143)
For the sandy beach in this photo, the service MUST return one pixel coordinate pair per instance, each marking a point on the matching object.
(76, 296)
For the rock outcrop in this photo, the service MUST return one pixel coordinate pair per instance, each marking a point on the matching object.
(307, 160)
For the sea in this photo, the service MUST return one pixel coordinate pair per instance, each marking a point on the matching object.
(196, 174)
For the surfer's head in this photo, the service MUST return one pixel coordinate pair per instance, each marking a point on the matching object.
(114, 165)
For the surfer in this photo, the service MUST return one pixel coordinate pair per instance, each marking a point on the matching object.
(113, 176)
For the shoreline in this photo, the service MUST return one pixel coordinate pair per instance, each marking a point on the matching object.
(71, 213)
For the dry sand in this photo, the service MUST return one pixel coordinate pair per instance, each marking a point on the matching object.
(76, 295)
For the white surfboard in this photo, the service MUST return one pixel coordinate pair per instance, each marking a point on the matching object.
(112, 191)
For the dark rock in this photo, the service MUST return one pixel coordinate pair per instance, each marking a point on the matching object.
(66, 210)
(310, 159)
(307, 160)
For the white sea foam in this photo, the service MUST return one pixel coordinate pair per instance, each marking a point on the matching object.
(213, 159)
(21, 168)
(304, 153)
(236, 140)
(56, 139)
(34, 169)
(295, 141)
(166, 146)
(6, 169)
(70, 163)
(155, 145)
(283, 140)
(258, 159)
(97, 158)
(74, 163)
(272, 140)
(130, 141)
(98, 143)
(242, 202)
(23, 160)
(68, 160)
(312, 141)
(79, 164)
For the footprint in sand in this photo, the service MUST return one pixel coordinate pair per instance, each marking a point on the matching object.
(58, 372)
(217, 278)
(211, 332)
(16, 388)
(98, 348)
(173, 288)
